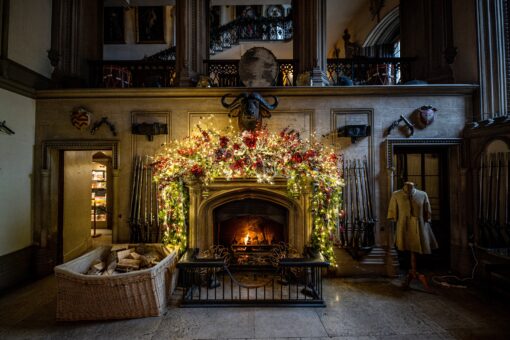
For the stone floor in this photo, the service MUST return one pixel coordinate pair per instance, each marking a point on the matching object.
(357, 309)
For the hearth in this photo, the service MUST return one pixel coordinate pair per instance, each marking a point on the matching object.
(250, 229)
(250, 222)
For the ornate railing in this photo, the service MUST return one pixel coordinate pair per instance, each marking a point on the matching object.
(249, 29)
(367, 71)
(212, 282)
(133, 73)
(225, 73)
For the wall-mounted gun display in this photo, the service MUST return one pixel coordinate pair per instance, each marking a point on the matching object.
(144, 208)
(494, 201)
(357, 221)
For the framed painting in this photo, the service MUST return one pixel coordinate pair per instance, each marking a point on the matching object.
(151, 24)
(113, 32)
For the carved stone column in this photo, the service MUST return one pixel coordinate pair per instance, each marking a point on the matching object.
(491, 58)
(192, 40)
(309, 40)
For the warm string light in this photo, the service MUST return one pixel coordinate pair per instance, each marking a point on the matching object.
(208, 154)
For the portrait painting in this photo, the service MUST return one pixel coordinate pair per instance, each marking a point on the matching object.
(113, 32)
(151, 24)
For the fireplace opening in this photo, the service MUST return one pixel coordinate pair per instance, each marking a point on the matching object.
(250, 229)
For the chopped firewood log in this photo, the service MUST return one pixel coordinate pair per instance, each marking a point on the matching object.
(111, 263)
(126, 265)
(96, 267)
(134, 255)
(124, 253)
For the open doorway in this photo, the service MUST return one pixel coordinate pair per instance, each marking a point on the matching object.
(85, 201)
(427, 168)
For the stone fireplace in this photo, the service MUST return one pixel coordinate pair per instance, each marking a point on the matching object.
(250, 222)
(242, 211)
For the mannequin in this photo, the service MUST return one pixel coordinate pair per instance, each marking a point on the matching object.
(410, 209)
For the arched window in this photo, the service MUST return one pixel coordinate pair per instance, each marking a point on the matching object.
(384, 39)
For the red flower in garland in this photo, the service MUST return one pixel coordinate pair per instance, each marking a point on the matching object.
(296, 158)
(250, 140)
(237, 165)
(258, 164)
(333, 157)
(236, 146)
(197, 170)
(309, 154)
(186, 152)
(206, 136)
(224, 141)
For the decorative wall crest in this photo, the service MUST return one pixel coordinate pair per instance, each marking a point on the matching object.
(81, 118)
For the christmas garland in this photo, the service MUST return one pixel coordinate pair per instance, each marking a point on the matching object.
(208, 154)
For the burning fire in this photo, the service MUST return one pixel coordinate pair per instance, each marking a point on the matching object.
(247, 239)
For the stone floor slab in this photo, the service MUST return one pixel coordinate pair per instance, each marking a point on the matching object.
(288, 322)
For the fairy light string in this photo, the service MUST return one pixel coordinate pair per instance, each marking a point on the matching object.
(307, 165)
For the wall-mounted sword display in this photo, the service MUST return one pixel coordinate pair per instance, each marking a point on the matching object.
(494, 201)
(357, 221)
(144, 207)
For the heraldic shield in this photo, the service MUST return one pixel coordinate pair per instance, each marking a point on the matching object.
(80, 118)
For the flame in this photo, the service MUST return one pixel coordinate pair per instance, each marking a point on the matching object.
(246, 238)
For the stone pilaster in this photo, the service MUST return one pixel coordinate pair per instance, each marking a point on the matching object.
(491, 58)
(192, 47)
(309, 34)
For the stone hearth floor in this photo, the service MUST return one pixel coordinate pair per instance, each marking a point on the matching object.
(357, 309)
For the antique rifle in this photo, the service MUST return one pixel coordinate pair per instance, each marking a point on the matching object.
(363, 204)
(358, 222)
(496, 226)
(487, 217)
(343, 221)
(134, 200)
(351, 208)
(370, 212)
(506, 230)
(481, 180)
(140, 200)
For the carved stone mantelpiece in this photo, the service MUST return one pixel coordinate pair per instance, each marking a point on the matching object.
(205, 199)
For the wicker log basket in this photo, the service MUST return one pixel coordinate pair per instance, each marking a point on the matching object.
(135, 294)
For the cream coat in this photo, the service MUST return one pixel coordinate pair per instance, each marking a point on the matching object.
(412, 214)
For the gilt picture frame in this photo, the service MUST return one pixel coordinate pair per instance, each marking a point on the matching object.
(150, 24)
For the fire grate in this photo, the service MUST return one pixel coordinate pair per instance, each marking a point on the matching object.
(212, 282)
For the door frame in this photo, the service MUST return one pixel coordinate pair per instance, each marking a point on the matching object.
(420, 143)
(51, 207)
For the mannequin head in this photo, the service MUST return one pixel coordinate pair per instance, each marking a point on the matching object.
(408, 187)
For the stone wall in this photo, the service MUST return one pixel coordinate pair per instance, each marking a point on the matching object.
(314, 111)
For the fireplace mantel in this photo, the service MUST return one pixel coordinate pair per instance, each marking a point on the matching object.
(205, 198)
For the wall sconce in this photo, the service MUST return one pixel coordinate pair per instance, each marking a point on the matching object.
(354, 131)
